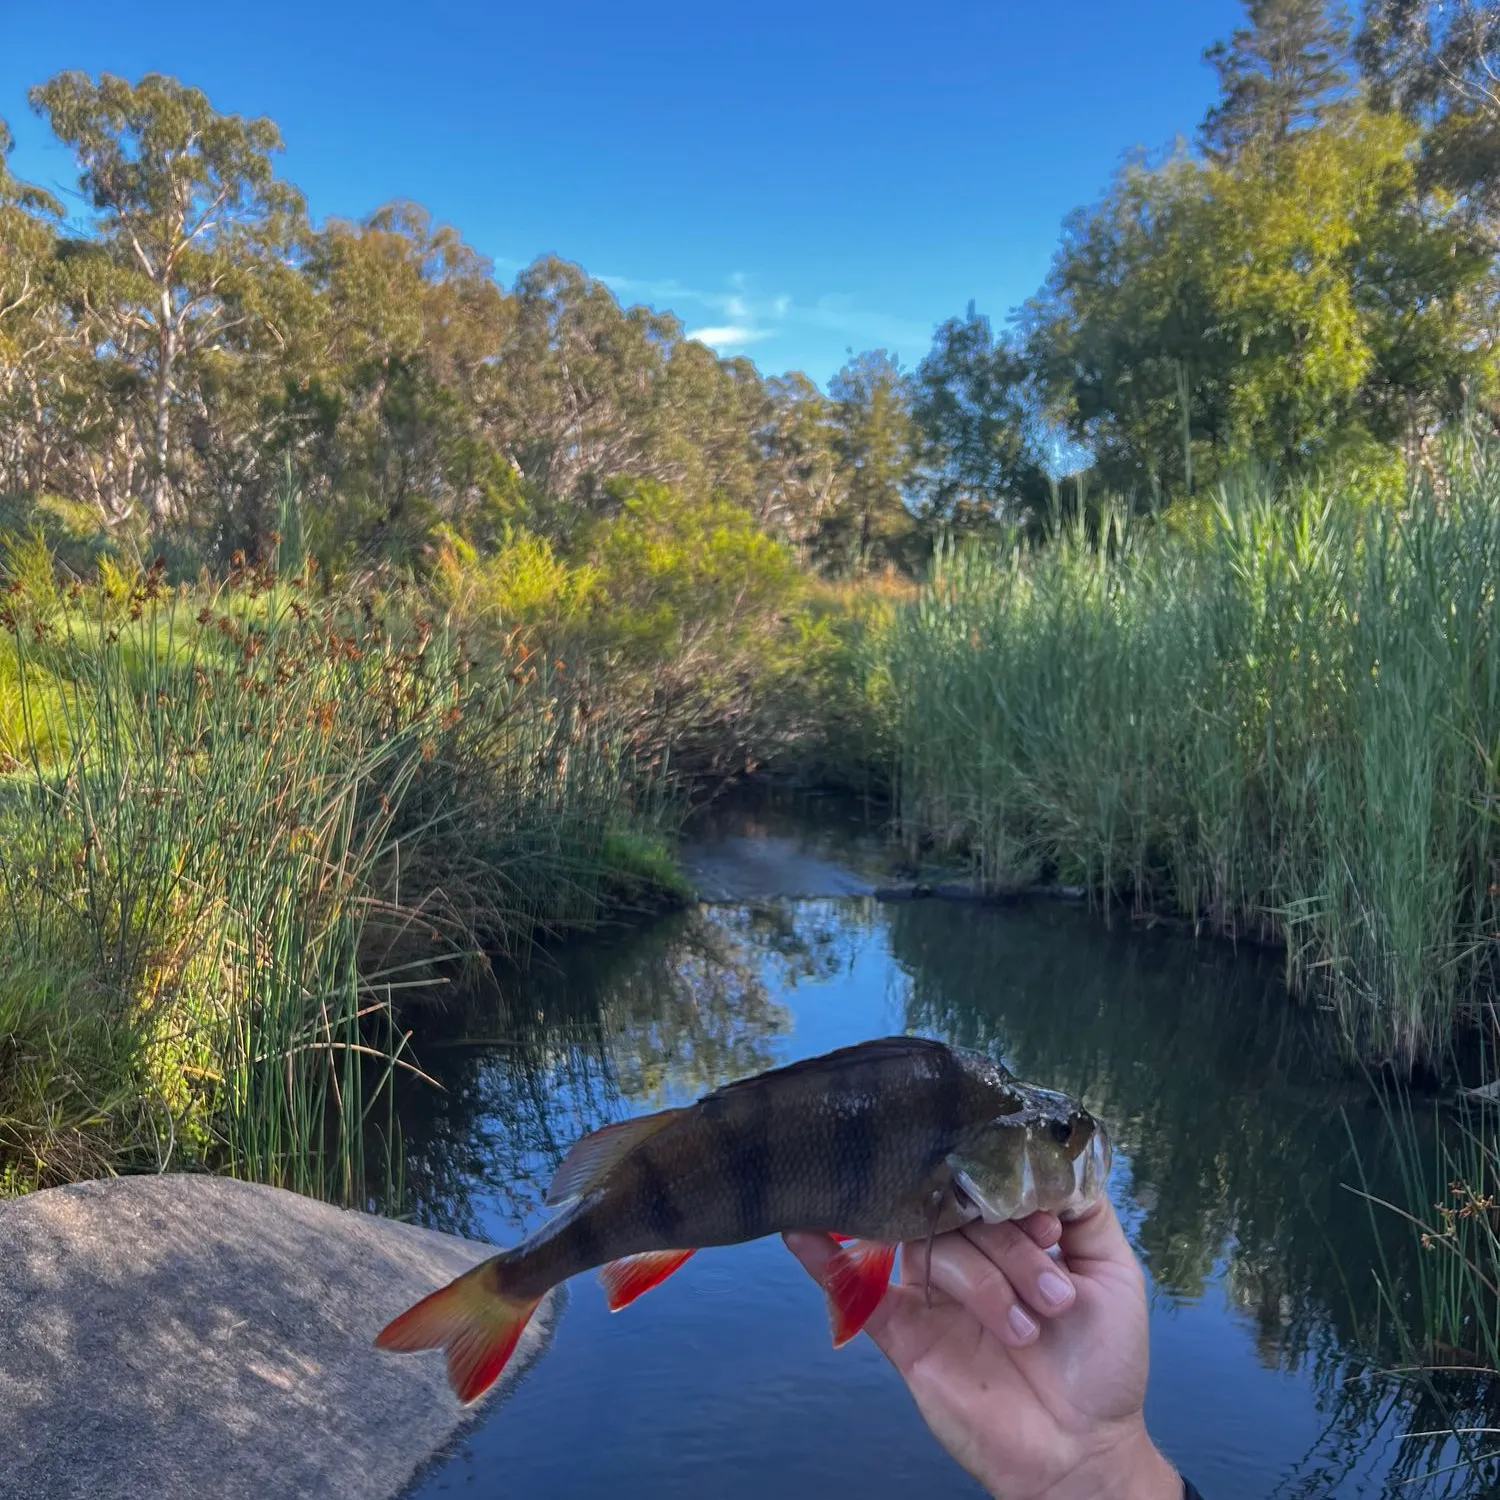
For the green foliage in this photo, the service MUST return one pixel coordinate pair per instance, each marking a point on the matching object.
(1283, 720)
(979, 452)
(191, 218)
(240, 824)
(1436, 63)
(640, 868)
(521, 582)
(669, 573)
(1266, 309)
(1312, 290)
(873, 439)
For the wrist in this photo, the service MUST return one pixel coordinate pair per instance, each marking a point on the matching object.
(1129, 1469)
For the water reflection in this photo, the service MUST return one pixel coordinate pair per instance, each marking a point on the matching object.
(1238, 1144)
(1233, 1128)
(651, 1018)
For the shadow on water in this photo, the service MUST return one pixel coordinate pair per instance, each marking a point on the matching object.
(1239, 1147)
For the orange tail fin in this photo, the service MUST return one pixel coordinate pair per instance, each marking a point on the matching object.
(855, 1280)
(473, 1321)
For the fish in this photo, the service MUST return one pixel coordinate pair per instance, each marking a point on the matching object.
(877, 1144)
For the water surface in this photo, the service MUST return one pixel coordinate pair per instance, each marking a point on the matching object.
(1233, 1175)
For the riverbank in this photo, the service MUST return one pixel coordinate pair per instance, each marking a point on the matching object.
(243, 822)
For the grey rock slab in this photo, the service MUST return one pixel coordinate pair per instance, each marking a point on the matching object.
(176, 1337)
(765, 869)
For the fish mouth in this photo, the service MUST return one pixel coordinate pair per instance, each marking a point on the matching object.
(1090, 1175)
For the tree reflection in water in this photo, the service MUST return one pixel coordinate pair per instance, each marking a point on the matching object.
(655, 1017)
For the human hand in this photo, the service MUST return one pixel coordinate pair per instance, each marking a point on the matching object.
(1030, 1370)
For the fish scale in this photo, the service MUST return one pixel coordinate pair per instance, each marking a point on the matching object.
(882, 1143)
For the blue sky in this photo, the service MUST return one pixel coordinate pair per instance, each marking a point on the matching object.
(791, 179)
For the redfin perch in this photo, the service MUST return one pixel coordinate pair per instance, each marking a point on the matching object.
(889, 1141)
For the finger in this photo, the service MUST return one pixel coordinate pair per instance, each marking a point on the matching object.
(961, 1271)
(815, 1251)
(1041, 1228)
(1039, 1279)
(1097, 1236)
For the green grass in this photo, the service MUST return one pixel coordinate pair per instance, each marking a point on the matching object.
(1432, 1361)
(1281, 717)
(243, 828)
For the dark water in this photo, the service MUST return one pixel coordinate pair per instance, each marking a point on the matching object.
(1233, 1171)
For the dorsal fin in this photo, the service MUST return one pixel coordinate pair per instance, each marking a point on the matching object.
(596, 1154)
(885, 1049)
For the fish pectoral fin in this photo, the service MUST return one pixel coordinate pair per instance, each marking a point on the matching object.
(855, 1281)
(632, 1275)
(592, 1157)
(475, 1324)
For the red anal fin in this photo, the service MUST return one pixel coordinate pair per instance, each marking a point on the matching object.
(474, 1323)
(855, 1281)
(843, 1239)
(627, 1278)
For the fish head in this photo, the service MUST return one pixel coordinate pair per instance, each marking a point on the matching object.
(1049, 1154)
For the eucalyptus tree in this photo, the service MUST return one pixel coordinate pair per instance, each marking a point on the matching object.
(873, 440)
(190, 211)
(30, 329)
(1440, 65)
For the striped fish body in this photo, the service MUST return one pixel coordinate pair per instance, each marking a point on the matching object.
(883, 1143)
(853, 1143)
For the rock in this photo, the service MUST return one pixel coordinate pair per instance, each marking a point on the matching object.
(175, 1337)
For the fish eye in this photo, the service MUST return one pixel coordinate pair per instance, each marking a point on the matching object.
(1060, 1131)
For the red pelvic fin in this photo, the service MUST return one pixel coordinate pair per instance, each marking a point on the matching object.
(628, 1278)
(470, 1319)
(855, 1281)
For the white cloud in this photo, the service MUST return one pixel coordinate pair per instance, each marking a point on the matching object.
(748, 317)
(730, 336)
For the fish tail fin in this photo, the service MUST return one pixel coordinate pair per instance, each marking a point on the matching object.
(472, 1321)
(855, 1280)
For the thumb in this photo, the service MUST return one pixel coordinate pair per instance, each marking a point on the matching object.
(1097, 1236)
(813, 1250)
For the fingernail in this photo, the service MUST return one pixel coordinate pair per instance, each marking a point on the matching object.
(1021, 1324)
(1055, 1289)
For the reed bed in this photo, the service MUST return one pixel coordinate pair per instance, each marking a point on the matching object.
(240, 827)
(1280, 717)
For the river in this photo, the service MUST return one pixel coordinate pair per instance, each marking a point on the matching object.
(1234, 1170)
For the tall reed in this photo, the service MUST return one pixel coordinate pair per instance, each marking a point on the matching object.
(239, 824)
(1282, 720)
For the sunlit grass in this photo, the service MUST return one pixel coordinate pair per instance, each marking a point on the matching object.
(241, 825)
